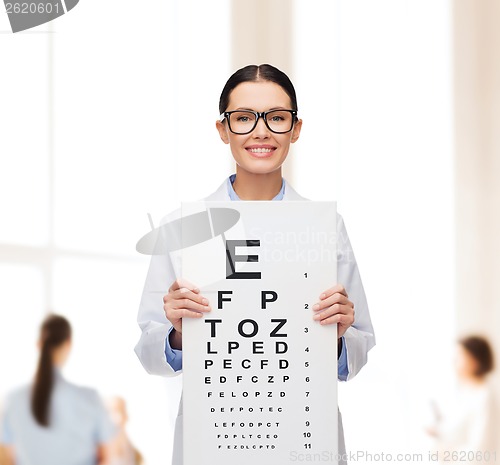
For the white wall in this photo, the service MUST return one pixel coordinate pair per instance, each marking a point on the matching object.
(97, 130)
(476, 130)
(374, 82)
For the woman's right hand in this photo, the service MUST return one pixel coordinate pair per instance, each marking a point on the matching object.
(183, 300)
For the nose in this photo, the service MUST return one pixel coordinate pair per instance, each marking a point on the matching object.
(261, 131)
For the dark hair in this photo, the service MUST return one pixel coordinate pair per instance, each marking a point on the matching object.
(54, 332)
(479, 348)
(256, 73)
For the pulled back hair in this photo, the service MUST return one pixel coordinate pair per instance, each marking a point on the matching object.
(54, 332)
(256, 73)
(479, 348)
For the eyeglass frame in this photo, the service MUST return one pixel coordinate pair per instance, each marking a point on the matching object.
(258, 115)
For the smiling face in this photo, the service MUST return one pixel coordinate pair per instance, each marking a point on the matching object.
(262, 151)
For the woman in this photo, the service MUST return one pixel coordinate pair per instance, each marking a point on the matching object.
(54, 422)
(466, 426)
(258, 108)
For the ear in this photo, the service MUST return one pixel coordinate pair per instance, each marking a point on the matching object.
(296, 131)
(221, 127)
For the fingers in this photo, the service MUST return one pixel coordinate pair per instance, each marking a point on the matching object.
(183, 297)
(343, 322)
(338, 288)
(337, 318)
(179, 283)
(184, 301)
(184, 294)
(334, 295)
(179, 313)
(189, 300)
(332, 300)
(176, 310)
(334, 307)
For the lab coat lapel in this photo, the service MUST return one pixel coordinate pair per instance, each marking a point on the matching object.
(220, 194)
(291, 193)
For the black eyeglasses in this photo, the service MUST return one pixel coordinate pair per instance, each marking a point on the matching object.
(244, 121)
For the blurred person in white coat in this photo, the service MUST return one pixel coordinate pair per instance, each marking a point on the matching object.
(259, 137)
(466, 426)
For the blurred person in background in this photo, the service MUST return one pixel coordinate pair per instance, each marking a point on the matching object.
(467, 429)
(122, 451)
(51, 421)
(4, 458)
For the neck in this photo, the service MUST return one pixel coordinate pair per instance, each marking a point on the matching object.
(474, 381)
(251, 186)
(60, 355)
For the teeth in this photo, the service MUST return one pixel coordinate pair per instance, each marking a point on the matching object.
(260, 150)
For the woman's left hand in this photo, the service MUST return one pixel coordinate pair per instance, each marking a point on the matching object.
(335, 307)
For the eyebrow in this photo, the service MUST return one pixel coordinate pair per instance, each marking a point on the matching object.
(251, 109)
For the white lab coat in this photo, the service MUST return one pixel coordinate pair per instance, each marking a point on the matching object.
(469, 425)
(150, 349)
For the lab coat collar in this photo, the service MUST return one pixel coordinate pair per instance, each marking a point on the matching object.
(222, 194)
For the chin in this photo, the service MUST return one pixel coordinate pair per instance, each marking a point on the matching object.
(260, 169)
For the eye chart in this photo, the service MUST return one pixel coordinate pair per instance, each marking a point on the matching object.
(259, 374)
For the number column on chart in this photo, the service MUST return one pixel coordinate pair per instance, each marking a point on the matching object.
(307, 381)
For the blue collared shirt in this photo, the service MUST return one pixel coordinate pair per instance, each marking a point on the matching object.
(79, 423)
(234, 196)
(174, 356)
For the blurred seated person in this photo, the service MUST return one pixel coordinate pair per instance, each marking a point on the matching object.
(122, 451)
(466, 429)
(52, 421)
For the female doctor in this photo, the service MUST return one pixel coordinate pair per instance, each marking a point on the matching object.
(258, 120)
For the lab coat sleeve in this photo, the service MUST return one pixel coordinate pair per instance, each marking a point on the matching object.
(151, 318)
(360, 337)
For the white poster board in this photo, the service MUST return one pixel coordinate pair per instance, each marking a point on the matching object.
(259, 374)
